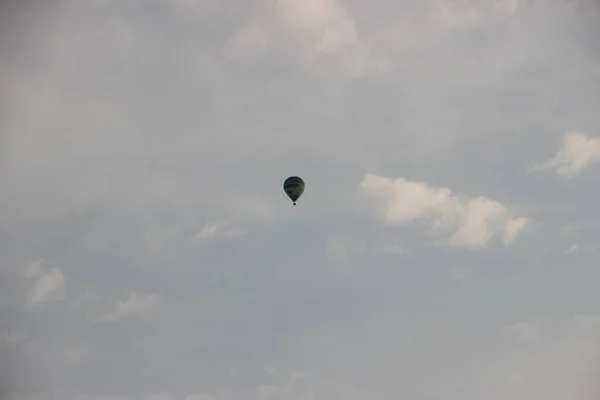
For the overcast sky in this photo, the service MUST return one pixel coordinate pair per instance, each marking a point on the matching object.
(445, 248)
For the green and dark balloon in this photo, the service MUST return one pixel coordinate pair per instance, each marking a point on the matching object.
(293, 187)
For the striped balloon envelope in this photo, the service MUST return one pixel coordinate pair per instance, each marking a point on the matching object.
(293, 187)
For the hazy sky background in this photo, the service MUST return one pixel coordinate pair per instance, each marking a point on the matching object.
(445, 248)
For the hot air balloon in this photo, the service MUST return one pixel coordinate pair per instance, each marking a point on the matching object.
(293, 187)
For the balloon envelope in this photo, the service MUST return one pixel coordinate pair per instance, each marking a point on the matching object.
(293, 187)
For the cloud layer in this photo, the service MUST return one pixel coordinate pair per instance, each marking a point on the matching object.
(149, 251)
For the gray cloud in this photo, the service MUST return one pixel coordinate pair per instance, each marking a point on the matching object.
(149, 251)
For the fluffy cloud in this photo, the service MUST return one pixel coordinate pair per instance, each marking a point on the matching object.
(574, 248)
(470, 222)
(578, 153)
(325, 25)
(48, 286)
(321, 34)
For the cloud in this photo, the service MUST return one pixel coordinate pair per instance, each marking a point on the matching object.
(470, 222)
(334, 47)
(133, 131)
(578, 153)
(574, 248)
(325, 25)
(321, 34)
(513, 228)
(134, 305)
(213, 230)
(49, 286)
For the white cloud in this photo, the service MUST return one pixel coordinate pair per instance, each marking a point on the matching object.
(134, 305)
(49, 286)
(578, 152)
(574, 248)
(469, 222)
(312, 14)
(321, 33)
(513, 227)
(212, 230)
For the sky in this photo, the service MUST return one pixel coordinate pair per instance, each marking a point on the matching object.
(445, 247)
